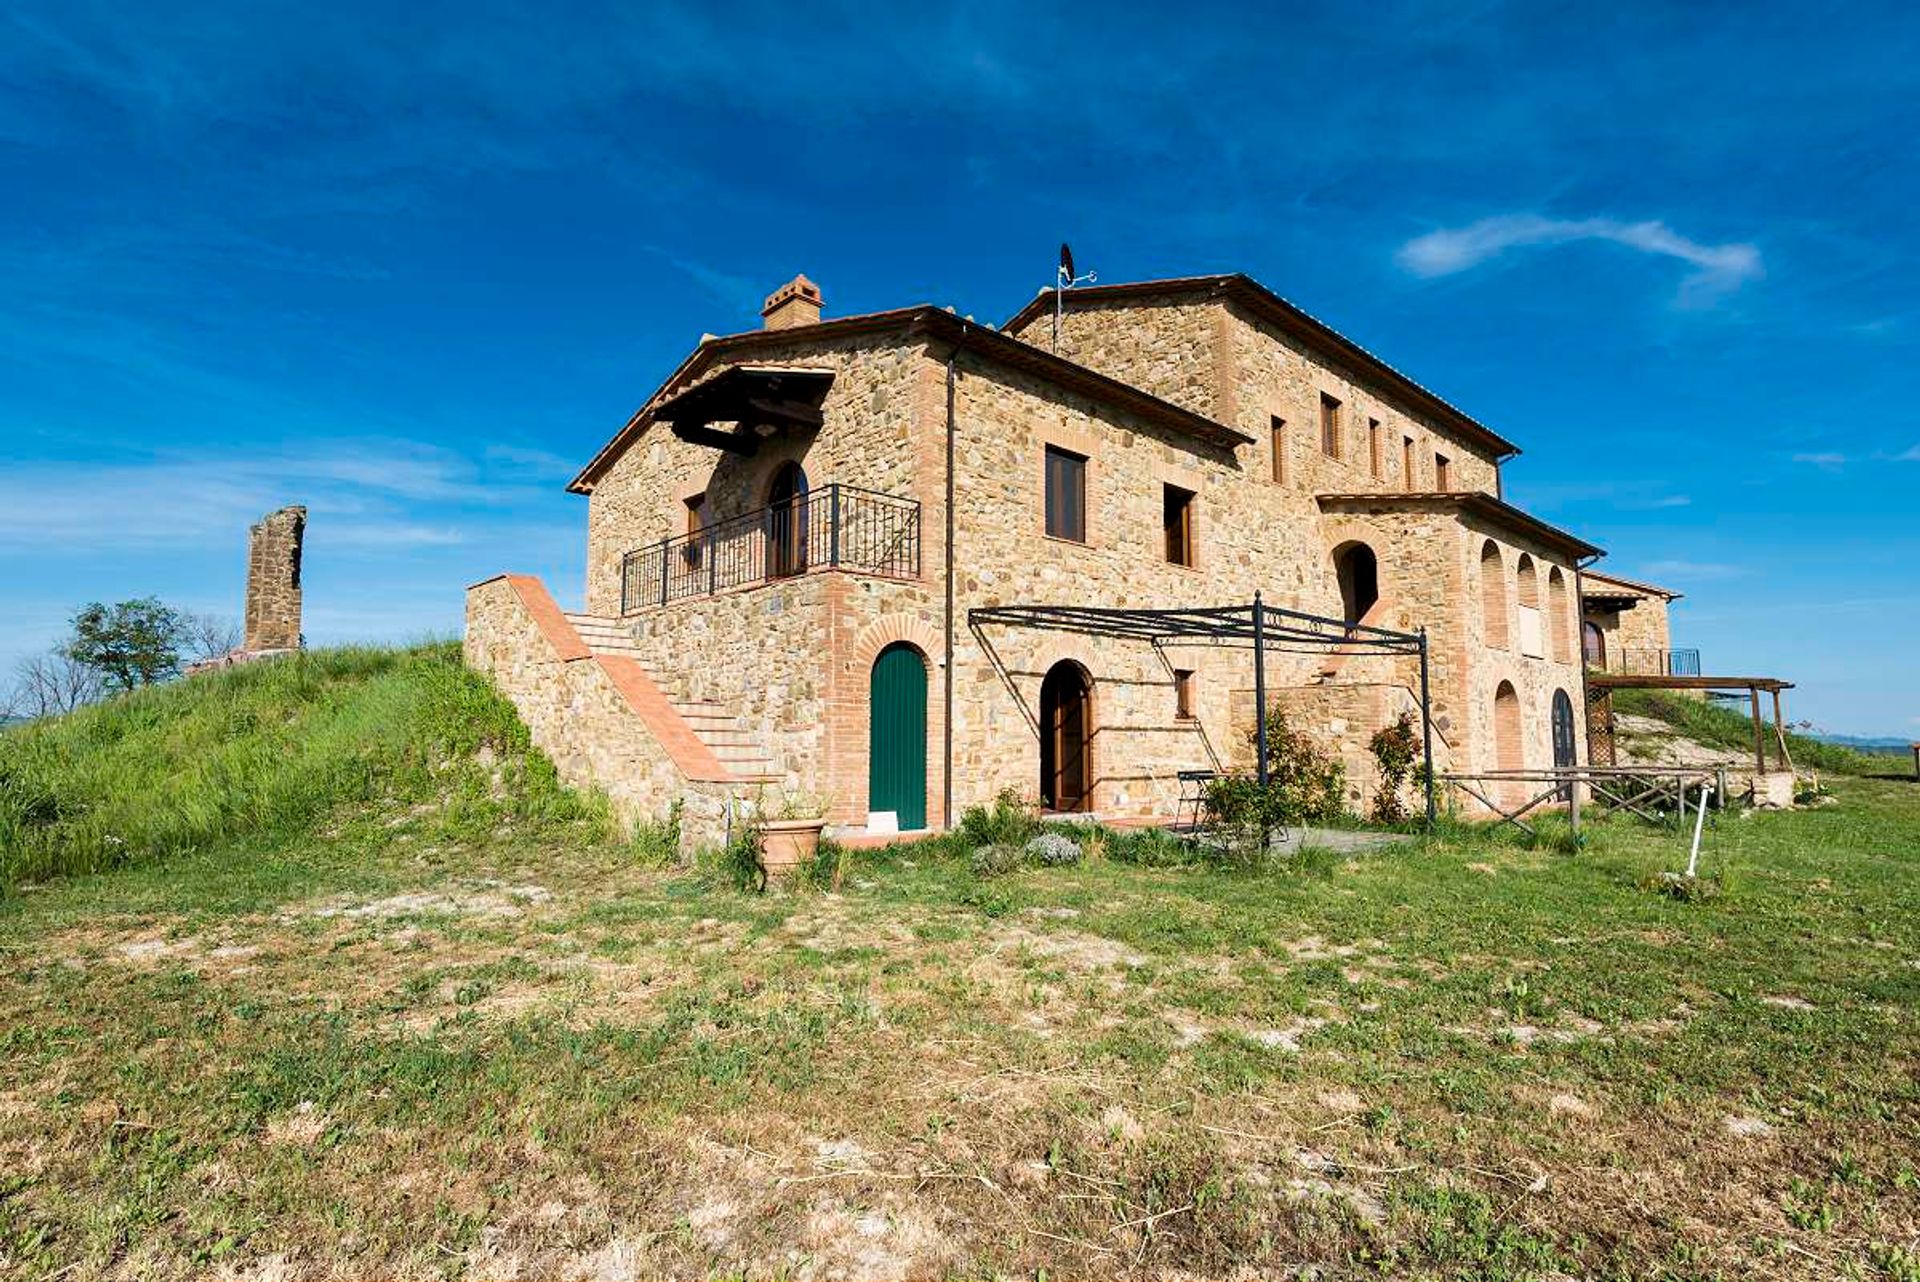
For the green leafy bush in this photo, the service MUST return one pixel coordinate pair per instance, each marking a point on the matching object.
(996, 860)
(1395, 749)
(1010, 821)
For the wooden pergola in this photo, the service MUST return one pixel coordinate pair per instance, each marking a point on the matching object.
(1601, 685)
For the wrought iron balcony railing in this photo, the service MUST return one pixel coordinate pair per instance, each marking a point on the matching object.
(835, 527)
(1650, 663)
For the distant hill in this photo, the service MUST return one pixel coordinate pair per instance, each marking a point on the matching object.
(1864, 743)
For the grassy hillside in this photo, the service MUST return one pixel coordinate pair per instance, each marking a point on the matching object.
(265, 751)
(357, 990)
(1723, 727)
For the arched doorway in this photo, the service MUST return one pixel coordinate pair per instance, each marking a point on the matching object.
(787, 521)
(897, 735)
(1358, 570)
(1594, 642)
(1066, 729)
(1565, 751)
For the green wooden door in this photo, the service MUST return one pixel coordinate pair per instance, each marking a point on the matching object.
(897, 736)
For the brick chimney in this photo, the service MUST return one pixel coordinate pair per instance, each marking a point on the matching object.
(794, 304)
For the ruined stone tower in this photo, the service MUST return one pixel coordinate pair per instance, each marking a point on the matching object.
(273, 580)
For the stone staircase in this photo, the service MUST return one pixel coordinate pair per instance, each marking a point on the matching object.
(716, 725)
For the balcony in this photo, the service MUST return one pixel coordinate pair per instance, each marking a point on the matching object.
(835, 527)
(1648, 663)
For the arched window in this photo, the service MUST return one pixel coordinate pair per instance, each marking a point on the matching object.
(1066, 735)
(1595, 643)
(1559, 617)
(1493, 596)
(1358, 570)
(787, 521)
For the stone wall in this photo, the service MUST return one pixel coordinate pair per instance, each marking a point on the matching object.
(274, 547)
(1210, 356)
(869, 440)
(576, 713)
(1643, 627)
(795, 657)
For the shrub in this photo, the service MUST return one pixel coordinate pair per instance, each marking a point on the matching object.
(1010, 821)
(996, 860)
(1053, 849)
(1394, 750)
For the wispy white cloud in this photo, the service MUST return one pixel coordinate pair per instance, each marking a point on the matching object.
(1678, 570)
(1717, 269)
(375, 494)
(1826, 460)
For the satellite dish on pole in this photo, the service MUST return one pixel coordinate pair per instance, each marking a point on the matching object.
(1064, 280)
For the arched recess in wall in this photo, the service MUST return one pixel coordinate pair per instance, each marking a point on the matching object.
(897, 735)
(1066, 738)
(1559, 617)
(1509, 752)
(1358, 571)
(1531, 641)
(1493, 595)
(787, 521)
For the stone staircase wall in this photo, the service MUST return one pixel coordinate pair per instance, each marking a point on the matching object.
(600, 716)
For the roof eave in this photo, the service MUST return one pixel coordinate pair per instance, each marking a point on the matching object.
(1485, 505)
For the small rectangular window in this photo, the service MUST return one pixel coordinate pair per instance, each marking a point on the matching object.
(696, 522)
(1442, 473)
(1066, 495)
(1374, 463)
(1183, 694)
(1329, 426)
(1177, 523)
(1277, 436)
(1407, 470)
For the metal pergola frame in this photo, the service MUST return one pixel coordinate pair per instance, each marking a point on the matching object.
(1258, 626)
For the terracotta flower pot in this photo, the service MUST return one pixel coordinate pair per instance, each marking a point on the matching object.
(785, 844)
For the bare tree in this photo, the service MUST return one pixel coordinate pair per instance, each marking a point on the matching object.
(208, 636)
(50, 684)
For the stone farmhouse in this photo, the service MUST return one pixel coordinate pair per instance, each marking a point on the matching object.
(790, 543)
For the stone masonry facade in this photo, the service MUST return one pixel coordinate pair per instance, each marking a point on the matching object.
(1302, 455)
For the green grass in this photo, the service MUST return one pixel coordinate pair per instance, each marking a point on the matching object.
(382, 1042)
(260, 750)
(1719, 726)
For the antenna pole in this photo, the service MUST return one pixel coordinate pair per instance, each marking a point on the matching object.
(1059, 293)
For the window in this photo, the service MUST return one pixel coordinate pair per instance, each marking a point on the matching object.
(1329, 426)
(1442, 473)
(1407, 477)
(1066, 495)
(1277, 436)
(1177, 522)
(1373, 448)
(696, 521)
(1183, 694)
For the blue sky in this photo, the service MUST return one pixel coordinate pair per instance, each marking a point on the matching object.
(412, 270)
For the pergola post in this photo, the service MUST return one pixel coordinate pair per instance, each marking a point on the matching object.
(1759, 741)
(1426, 728)
(1260, 687)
